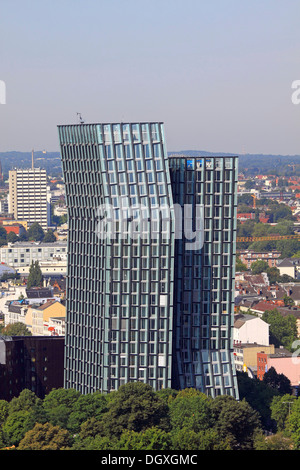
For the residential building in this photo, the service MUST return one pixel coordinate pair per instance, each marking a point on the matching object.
(28, 195)
(245, 356)
(11, 221)
(39, 295)
(250, 329)
(243, 217)
(42, 314)
(16, 228)
(289, 266)
(4, 206)
(57, 326)
(249, 256)
(30, 362)
(18, 311)
(144, 304)
(52, 257)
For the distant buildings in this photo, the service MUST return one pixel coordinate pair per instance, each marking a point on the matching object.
(28, 196)
(250, 336)
(250, 256)
(244, 216)
(36, 309)
(250, 329)
(52, 257)
(289, 266)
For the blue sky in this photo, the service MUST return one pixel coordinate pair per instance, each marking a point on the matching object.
(218, 73)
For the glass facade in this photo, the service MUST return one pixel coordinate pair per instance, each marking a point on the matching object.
(120, 281)
(204, 276)
(142, 303)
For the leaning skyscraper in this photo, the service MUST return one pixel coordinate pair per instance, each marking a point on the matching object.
(145, 302)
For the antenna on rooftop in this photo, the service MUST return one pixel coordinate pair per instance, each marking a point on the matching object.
(80, 120)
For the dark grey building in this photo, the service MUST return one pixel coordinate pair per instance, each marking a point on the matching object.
(144, 302)
(35, 363)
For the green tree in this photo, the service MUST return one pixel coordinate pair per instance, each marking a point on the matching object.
(280, 408)
(288, 301)
(3, 236)
(86, 406)
(149, 439)
(15, 329)
(293, 424)
(49, 237)
(15, 427)
(273, 275)
(35, 232)
(135, 407)
(12, 237)
(283, 212)
(239, 265)
(191, 410)
(167, 394)
(259, 266)
(235, 421)
(35, 276)
(96, 443)
(23, 237)
(24, 402)
(46, 437)
(278, 441)
(259, 395)
(187, 439)
(3, 411)
(277, 381)
(58, 405)
(90, 428)
(283, 330)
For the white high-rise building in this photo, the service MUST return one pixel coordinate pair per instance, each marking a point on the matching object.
(28, 195)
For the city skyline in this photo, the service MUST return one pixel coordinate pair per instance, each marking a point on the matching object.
(218, 75)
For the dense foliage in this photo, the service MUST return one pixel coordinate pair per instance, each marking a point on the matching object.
(137, 418)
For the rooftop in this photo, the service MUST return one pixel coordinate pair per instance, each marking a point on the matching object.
(33, 244)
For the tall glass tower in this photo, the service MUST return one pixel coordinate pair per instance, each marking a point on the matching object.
(204, 275)
(120, 274)
(144, 304)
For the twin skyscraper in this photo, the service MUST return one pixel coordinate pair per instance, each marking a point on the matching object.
(151, 261)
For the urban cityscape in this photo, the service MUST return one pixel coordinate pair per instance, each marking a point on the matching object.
(149, 295)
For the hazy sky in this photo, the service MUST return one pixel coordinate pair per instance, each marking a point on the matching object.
(218, 73)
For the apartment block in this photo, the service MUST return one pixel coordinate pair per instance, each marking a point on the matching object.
(28, 196)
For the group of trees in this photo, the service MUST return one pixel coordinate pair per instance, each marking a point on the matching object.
(273, 273)
(283, 330)
(252, 228)
(132, 418)
(34, 233)
(135, 417)
(14, 329)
